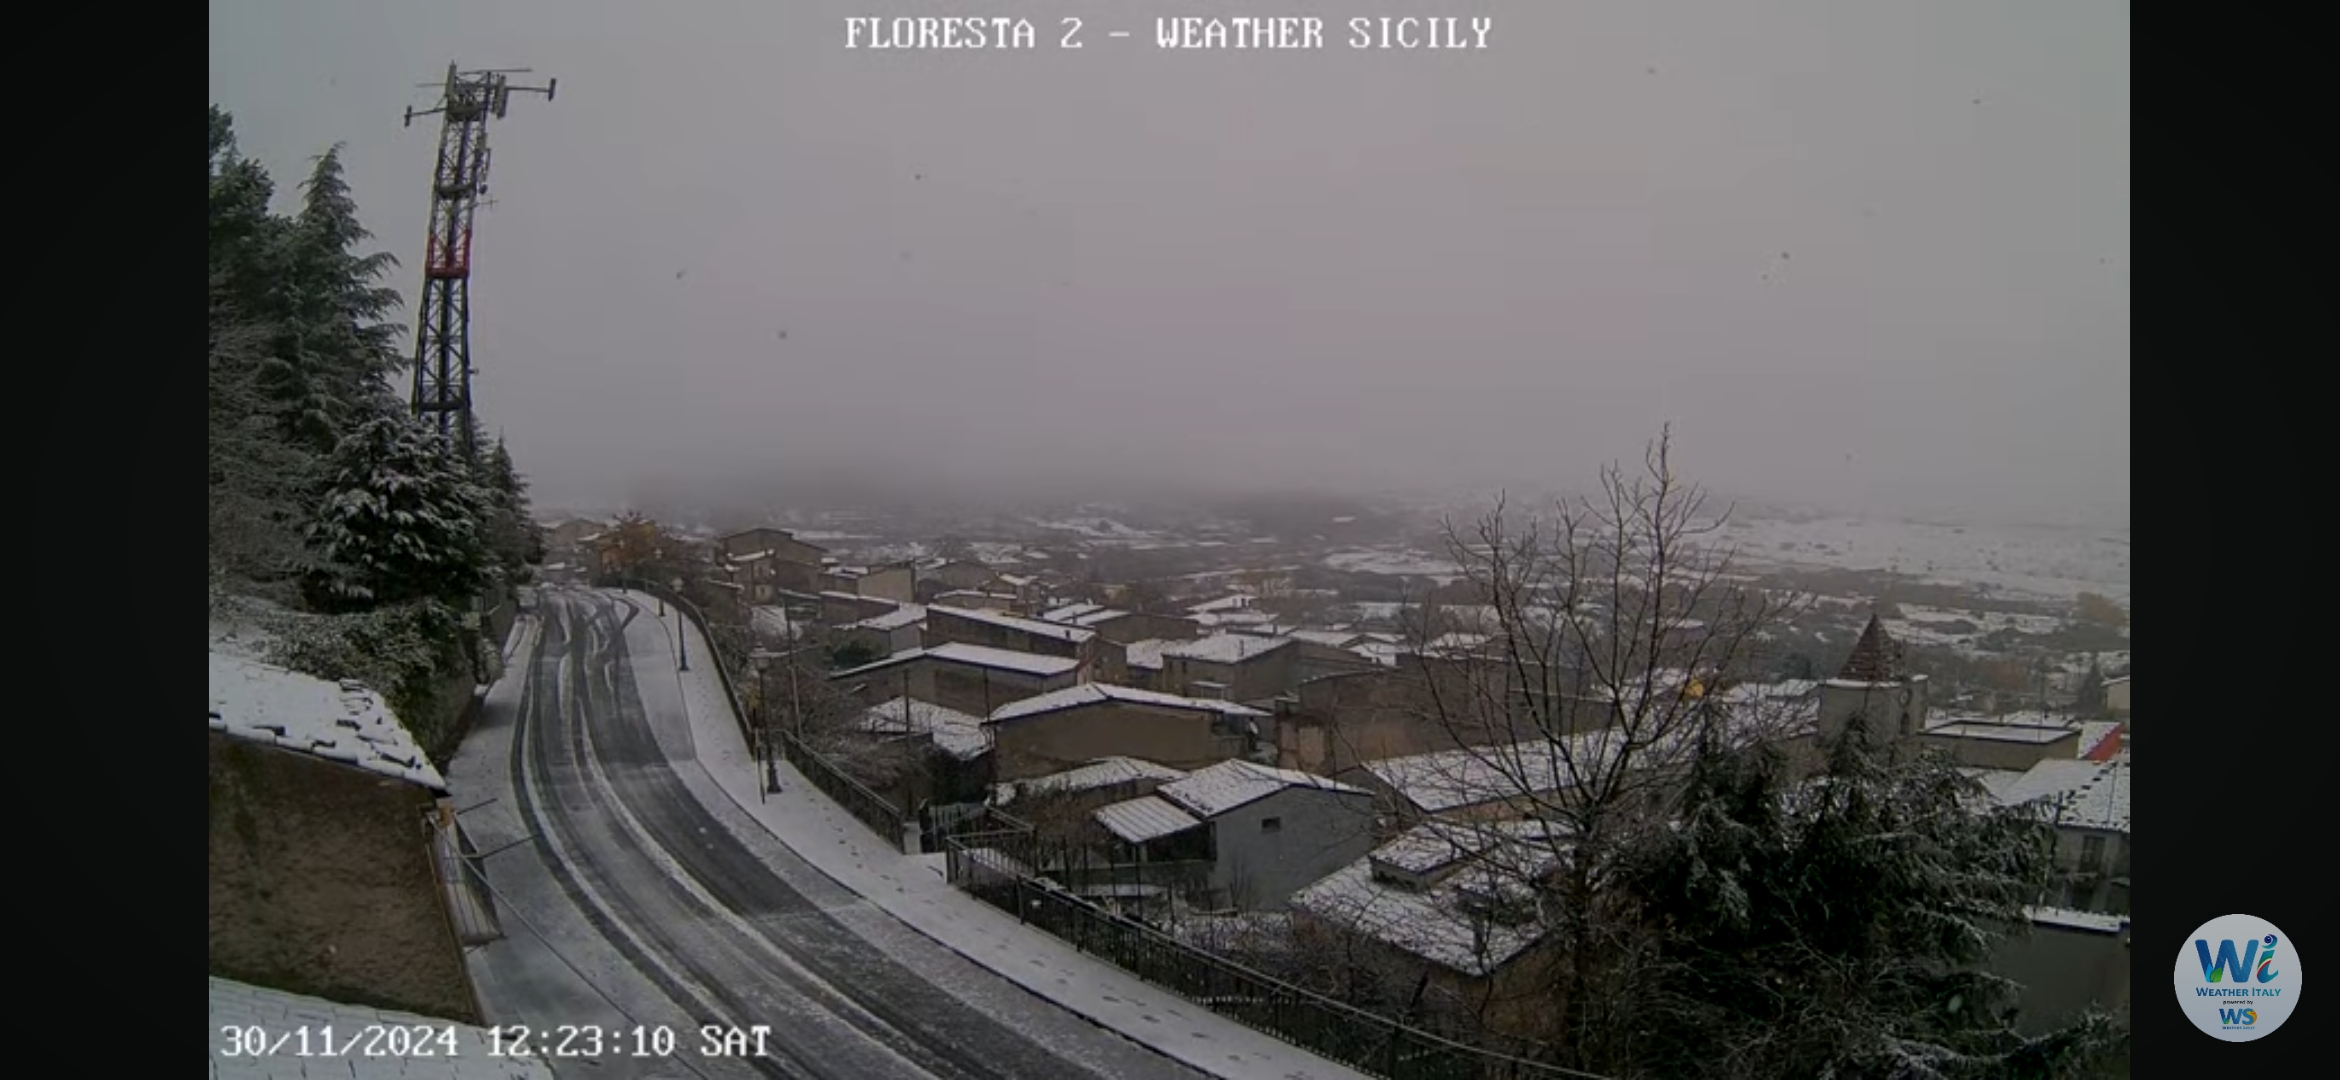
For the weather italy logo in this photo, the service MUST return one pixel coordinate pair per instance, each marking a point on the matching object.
(2237, 978)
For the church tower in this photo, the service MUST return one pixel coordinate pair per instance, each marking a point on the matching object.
(1875, 683)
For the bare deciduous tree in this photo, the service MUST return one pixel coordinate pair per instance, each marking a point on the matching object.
(1608, 639)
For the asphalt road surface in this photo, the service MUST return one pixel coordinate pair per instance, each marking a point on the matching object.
(634, 893)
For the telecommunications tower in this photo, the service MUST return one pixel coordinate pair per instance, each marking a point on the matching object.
(442, 338)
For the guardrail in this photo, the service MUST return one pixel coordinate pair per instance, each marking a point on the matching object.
(866, 806)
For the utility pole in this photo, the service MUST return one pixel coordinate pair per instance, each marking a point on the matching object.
(442, 338)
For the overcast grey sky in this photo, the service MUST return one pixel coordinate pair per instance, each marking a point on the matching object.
(1861, 252)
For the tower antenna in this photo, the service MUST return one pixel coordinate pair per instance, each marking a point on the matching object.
(442, 338)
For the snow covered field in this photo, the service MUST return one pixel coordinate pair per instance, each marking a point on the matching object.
(1394, 563)
(2045, 562)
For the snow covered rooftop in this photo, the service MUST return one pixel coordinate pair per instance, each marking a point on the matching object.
(1236, 602)
(1212, 791)
(1994, 781)
(974, 594)
(2078, 920)
(1069, 612)
(1103, 772)
(1034, 627)
(955, 733)
(905, 615)
(1004, 659)
(1451, 779)
(982, 656)
(2089, 794)
(1145, 655)
(2014, 733)
(1445, 780)
(1095, 693)
(1226, 648)
(1147, 817)
(1434, 924)
(773, 619)
(243, 1006)
(1331, 639)
(342, 722)
(2099, 739)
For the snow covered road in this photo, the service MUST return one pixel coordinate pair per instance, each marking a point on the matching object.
(636, 891)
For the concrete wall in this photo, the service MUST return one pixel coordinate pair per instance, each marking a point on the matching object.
(912, 678)
(322, 883)
(1318, 661)
(1138, 626)
(1257, 679)
(978, 690)
(1985, 753)
(2116, 697)
(960, 575)
(1895, 708)
(2091, 885)
(838, 610)
(943, 627)
(1317, 833)
(896, 583)
(1053, 742)
(1375, 714)
(2065, 970)
(780, 544)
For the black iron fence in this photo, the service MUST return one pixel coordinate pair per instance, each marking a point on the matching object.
(1004, 869)
(869, 807)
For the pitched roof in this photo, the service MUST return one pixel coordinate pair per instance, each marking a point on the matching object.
(955, 733)
(1144, 818)
(905, 615)
(1228, 785)
(1095, 693)
(2082, 793)
(342, 722)
(1034, 627)
(1103, 772)
(982, 656)
(1004, 659)
(1145, 655)
(1876, 658)
(1226, 648)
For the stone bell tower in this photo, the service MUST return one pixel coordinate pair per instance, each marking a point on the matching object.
(1874, 683)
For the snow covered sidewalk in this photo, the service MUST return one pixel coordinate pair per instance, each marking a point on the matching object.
(912, 889)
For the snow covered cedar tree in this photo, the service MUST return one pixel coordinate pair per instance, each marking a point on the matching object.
(1838, 926)
(400, 519)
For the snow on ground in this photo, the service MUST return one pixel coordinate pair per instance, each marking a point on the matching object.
(2043, 561)
(1962, 630)
(239, 626)
(1395, 563)
(912, 889)
(1096, 528)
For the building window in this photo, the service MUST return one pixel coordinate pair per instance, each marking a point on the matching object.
(1271, 825)
(2091, 854)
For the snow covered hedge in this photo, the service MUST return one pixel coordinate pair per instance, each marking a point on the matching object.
(409, 653)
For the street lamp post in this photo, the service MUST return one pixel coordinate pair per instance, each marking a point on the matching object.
(763, 662)
(681, 636)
